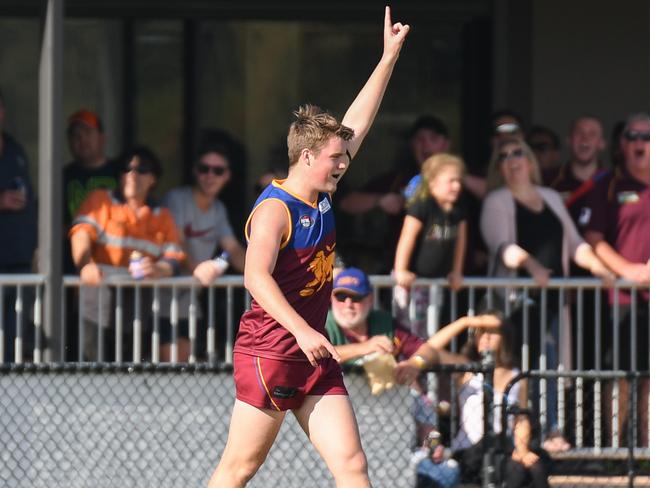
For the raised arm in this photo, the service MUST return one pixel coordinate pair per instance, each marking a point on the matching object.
(363, 110)
(444, 336)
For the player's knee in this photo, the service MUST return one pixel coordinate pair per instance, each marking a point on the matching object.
(246, 469)
(239, 470)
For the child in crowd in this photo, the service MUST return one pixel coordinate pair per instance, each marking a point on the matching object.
(526, 464)
(434, 234)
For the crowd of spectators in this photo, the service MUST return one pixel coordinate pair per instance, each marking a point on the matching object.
(524, 214)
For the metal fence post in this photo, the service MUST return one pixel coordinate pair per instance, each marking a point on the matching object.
(633, 378)
(489, 469)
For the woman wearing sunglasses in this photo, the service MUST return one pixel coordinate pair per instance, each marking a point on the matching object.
(529, 233)
(110, 227)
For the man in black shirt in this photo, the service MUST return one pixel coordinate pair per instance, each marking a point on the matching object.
(90, 170)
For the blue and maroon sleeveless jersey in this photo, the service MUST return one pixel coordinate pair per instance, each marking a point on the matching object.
(303, 271)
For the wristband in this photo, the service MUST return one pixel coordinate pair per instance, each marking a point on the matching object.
(419, 361)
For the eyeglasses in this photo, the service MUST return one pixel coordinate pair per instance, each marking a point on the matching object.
(141, 169)
(633, 135)
(204, 169)
(515, 153)
(342, 297)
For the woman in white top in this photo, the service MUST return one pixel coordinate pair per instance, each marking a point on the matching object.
(490, 332)
(529, 232)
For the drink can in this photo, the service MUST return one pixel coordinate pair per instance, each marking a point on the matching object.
(135, 265)
(433, 440)
(221, 262)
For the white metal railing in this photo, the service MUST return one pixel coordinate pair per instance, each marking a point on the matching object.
(28, 290)
(174, 286)
(232, 283)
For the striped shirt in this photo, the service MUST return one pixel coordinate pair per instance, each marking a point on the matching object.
(116, 230)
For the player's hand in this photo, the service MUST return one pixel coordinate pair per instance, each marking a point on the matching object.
(91, 274)
(394, 35)
(379, 343)
(206, 272)
(315, 346)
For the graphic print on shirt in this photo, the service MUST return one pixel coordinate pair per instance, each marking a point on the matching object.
(322, 267)
(442, 232)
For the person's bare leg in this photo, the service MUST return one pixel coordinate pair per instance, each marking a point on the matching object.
(251, 435)
(330, 424)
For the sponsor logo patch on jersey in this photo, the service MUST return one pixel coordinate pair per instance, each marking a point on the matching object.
(324, 205)
(284, 392)
(624, 197)
(306, 221)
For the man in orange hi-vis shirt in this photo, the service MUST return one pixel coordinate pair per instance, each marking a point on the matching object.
(109, 228)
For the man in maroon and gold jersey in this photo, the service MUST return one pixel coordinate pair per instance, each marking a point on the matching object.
(283, 360)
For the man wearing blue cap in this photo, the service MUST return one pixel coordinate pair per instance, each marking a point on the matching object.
(356, 330)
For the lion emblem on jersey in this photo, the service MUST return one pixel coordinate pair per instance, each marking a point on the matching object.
(321, 266)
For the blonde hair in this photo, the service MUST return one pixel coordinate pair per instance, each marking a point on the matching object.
(495, 178)
(431, 168)
(312, 129)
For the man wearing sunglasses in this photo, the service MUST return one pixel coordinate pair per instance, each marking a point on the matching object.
(617, 228)
(358, 333)
(619, 208)
(205, 229)
(356, 330)
(202, 218)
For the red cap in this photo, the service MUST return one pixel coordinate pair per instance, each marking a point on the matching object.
(85, 117)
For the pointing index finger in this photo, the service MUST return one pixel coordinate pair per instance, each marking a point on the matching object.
(388, 23)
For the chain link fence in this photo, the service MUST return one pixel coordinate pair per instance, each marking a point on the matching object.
(110, 425)
(604, 417)
(166, 426)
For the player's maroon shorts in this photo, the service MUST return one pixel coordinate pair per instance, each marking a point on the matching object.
(283, 385)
